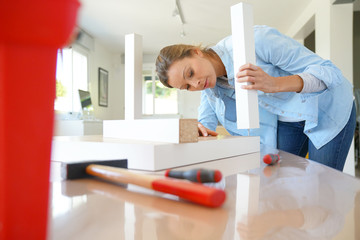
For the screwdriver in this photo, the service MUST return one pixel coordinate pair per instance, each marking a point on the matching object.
(196, 175)
(271, 159)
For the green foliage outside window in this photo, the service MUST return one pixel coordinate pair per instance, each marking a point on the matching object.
(160, 90)
(60, 89)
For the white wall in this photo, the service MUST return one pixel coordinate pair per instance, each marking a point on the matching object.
(333, 40)
(188, 104)
(357, 5)
(102, 57)
(114, 64)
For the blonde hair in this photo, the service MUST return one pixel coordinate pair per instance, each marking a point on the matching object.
(168, 55)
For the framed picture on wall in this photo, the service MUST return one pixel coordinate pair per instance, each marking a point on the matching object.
(103, 87)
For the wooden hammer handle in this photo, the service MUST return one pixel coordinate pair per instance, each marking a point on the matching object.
(120, 175)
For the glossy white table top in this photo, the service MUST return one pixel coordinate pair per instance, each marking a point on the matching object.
(295, 199)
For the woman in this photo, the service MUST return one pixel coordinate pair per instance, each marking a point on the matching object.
(305, 103)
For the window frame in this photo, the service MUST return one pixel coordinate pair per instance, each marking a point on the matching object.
(151, 67)
(85, 52)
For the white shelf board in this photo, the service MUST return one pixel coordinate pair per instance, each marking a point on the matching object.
(151, 156)
(158, 130)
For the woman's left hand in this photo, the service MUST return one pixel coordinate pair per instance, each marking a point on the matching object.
(259, 79)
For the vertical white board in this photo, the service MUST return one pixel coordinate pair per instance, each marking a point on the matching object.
(133, 76)
(242, 22)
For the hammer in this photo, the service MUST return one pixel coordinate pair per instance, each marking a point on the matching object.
(193, 192)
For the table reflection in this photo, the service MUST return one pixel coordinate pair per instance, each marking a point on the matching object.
(294, 199)
(300, 199)
(139, 214)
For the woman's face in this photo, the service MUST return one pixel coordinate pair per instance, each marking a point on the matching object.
(193, 73)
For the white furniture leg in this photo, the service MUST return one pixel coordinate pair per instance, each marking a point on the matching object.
(133, 76)
(247, 109)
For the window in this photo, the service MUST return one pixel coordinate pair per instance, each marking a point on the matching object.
(157, 99)
(71, 75)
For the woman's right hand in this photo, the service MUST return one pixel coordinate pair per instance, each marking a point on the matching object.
(203, 131)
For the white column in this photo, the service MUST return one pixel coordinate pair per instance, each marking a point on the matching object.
(334, 41)
(133, 76)
(247, 108)
(334, 35)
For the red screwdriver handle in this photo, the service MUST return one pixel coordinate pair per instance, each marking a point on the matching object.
(271, 158)
(194, 192)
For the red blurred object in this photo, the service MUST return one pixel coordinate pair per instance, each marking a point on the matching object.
(30, 34)
(217, 176)
(194, 192)
(271, 158)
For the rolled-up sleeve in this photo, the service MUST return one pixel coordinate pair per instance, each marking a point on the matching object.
(311, 83)
(290, 56)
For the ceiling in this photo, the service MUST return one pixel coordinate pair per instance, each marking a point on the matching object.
(206, 21)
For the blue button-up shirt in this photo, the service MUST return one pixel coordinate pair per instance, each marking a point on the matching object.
(325, 112)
